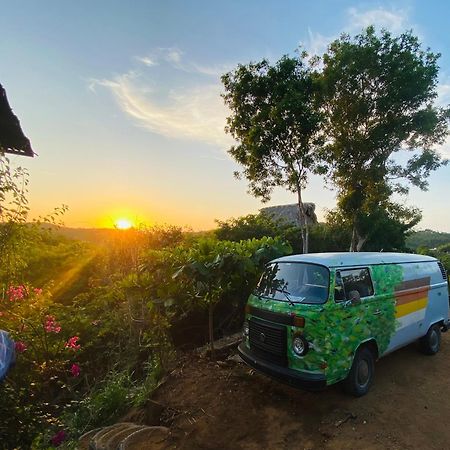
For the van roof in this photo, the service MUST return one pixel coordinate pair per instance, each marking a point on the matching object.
(342, 259)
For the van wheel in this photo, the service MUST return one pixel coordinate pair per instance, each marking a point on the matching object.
(361, 374)
(431, 342)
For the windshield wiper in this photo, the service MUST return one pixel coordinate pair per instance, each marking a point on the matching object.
(286, 294)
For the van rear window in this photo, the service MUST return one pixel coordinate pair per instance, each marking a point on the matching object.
(294, 283)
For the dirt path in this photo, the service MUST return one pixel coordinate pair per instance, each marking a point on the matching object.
(228, 406)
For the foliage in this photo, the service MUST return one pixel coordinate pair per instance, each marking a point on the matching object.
(427, 238)
(378, 97)
(257, 226)
(385, 229)
(214, 270)
(276, 122)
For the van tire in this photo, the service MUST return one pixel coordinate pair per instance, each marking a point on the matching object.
(431, 342)
(361, 373)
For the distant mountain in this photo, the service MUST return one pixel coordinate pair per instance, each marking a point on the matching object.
(95, 235)
(427, 238)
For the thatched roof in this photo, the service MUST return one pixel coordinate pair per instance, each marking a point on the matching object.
(12, 139)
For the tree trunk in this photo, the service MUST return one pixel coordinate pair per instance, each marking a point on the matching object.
(353, 240)
(361, 241)
(357, 241)
(303, 221)
(211, 328)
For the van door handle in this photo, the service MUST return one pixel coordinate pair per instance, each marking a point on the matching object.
(377, 312)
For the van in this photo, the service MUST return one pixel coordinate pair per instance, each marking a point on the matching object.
(317, 319)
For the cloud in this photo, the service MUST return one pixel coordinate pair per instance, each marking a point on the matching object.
(317, 43)
(443, 91)
(395, 20)
(172, 97)
(197, 113)
(147, 61)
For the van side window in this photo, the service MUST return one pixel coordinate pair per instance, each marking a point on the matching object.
(356, 280)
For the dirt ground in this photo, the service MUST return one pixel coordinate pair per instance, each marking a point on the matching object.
(226, 405)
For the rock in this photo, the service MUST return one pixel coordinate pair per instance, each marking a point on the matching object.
(235, 359)
(115, 437)
(98, 440)
(222, 346)
(85, 439)
(289, 213)
(148, 438)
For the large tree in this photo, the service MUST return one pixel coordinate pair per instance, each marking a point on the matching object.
(276, 122)
(379, 94)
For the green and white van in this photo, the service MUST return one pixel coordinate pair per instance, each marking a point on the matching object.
(318, 319)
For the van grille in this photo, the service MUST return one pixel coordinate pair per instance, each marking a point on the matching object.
(443, 271)
(268, 341)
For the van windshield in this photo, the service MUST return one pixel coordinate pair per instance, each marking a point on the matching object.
(294, 283)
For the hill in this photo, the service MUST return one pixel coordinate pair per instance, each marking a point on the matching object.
(427, 238)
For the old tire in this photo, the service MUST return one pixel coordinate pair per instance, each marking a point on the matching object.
(431, 342)
(361, 373)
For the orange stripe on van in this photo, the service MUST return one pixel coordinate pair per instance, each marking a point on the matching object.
(411, 296)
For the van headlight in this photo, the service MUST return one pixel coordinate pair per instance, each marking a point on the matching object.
(245, 330)
(299, 345)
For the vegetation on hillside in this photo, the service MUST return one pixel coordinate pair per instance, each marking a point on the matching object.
(96, 325)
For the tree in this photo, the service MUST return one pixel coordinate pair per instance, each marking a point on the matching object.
(384, 228)
(276, 122)
(378, 101)
(257, 226)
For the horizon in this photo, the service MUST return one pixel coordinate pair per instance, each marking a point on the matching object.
(122, 105)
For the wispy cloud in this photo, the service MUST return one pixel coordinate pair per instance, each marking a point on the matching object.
(188, 107)
(395, 20)
(195, 114)
(147, 61)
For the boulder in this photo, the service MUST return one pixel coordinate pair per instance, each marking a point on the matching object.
(148, 438)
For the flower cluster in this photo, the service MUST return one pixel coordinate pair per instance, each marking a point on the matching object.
(58, 438)
(75, 370)
(51, 326)
(72, 343)
(20, 346)
(16, 293)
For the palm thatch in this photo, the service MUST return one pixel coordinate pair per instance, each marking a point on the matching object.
(12, 139)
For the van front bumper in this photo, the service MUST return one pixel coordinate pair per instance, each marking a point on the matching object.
(295, 378)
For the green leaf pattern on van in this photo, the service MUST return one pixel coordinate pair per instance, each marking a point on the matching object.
(336, 330)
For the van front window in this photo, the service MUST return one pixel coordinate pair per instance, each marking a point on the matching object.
(294, 283)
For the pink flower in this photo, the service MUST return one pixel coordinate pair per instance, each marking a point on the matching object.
(51, 326)
(58, 438)
(20, 346)
(72, 343)
(37, 291)
(75, 370)
(16, 293)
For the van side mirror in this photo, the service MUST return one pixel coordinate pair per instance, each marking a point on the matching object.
(354, 297)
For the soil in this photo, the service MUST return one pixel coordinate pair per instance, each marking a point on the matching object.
(227, 405)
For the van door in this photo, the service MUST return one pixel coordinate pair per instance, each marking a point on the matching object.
(346, 315)
(376, 319)
(375, 314)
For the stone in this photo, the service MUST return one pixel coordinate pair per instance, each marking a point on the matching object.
(117, 436)
(289, 213)
(148, 438)
(98, 440)
(85, 439)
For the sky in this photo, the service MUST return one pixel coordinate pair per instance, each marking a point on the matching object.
(121, 100)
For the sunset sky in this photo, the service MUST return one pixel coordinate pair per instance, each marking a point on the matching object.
(121, 100)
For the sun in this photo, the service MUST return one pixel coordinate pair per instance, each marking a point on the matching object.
(123, 224)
